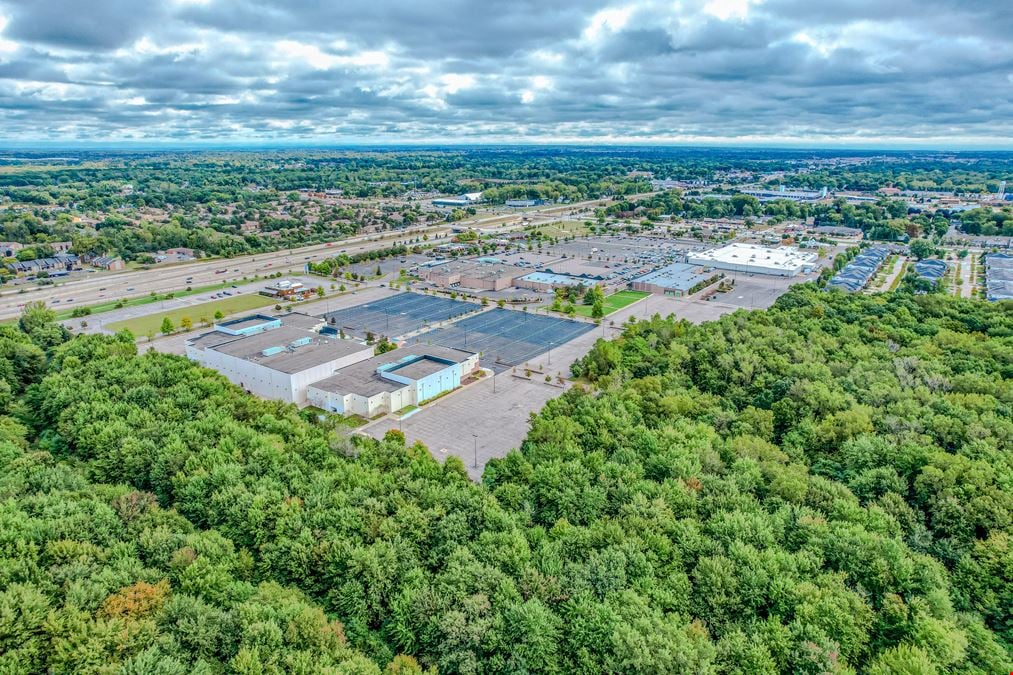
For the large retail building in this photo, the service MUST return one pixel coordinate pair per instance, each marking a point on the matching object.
(285, 358)
(784, 261)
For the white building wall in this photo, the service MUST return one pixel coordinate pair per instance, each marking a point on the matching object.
(745, 267)
(267, 382)
(253, 377)
(370, 406)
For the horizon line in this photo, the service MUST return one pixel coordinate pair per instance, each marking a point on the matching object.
(251, 144)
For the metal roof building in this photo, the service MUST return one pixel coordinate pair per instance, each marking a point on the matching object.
(392, 381)
(998, 277)
(785, 261)
(271, 359)
(675, 279)
(546, 281)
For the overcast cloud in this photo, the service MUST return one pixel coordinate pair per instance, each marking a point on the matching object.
(754, 71)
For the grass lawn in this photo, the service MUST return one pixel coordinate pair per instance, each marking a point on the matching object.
(613, 303)
(152, 323)
(562, 229)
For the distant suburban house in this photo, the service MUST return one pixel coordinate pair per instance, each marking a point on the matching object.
(9, 249)
(108, 262)
(61, 262)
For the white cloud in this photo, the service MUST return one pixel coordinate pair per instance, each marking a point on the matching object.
(665, 69)
(607, 21)
(6, 46)
(728, 9)
(290, 52)
(455, 82)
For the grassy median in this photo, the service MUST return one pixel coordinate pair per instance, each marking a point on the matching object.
(198, 314)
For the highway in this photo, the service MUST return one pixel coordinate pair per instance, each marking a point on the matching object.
(90, 289)
(102, 286)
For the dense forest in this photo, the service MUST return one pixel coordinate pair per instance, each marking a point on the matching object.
(824, 486)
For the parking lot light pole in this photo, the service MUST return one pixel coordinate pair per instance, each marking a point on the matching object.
(475, 436)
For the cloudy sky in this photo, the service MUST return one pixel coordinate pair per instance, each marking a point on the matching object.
(842, 72)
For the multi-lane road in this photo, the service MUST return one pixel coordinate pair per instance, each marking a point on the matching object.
(100, 287)
(90, 289)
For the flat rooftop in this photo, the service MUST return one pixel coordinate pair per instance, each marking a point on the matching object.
(300, 320)
(561, 279)
(361, 378)
(246, 321)
(784, 257)
(474, 268)
(293, 357)
(680, 276)
(419, 368)
(210, 339)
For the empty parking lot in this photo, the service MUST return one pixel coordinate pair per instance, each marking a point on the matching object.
(506, 338)
(397, 315)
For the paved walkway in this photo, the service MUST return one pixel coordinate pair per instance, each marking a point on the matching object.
(966, 289)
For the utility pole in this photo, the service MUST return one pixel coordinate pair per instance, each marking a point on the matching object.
(475, 436)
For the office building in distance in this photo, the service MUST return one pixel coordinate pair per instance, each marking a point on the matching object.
(394, 380)
(784, 261)
(467, 199)
(790, 195)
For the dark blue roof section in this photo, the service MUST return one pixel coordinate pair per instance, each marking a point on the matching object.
(398, 314)
(856, 274)
(998, 276)
(506, 337)
(933, 270)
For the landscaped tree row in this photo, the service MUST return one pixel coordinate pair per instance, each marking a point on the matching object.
(822, 487)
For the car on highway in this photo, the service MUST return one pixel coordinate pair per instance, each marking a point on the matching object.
(233, 285)
(131, 288)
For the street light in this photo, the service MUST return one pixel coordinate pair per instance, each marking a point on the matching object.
(475, 436)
